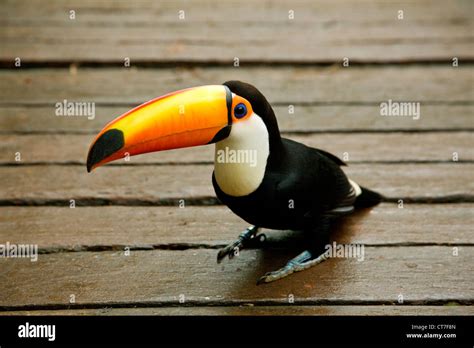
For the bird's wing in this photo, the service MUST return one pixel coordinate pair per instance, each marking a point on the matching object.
(335, 184)
(321, 184)
(332, 157)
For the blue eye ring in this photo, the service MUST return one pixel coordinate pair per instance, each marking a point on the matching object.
(240, 110)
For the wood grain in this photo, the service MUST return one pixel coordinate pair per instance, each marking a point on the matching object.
(82, 228)
(172, 183)
(322, 118)
(284, 85)
(320, 32)
(420, 274)
(410, 147)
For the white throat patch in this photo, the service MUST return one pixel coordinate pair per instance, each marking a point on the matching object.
(240, 159)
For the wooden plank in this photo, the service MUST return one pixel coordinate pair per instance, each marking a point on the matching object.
(172, 183)
(262, 310)
(353, 147)
(164, 10)
(62, 228)
(420, 274)
(54, 49)
(153, 32)
(285, 85)
(320, 118)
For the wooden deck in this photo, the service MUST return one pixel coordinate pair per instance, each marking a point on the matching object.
(418, 258)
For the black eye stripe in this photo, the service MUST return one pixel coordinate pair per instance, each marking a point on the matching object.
(228, 98)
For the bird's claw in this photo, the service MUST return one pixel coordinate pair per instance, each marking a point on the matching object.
(244, 240)
(275, 275)
(230, 250)
(299, 263)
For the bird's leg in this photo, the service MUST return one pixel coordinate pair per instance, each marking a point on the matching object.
(245, 239)
(318, 238)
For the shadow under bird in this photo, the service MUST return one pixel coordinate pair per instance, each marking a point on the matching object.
(269, 181)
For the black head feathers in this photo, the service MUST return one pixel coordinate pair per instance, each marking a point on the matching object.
(260, 106)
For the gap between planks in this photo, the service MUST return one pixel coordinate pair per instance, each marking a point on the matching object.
(198, 201)
(167, 185)
(6, 64)
(197, 246)
(256, 304)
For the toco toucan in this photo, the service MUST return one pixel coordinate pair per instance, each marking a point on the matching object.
(269, 181)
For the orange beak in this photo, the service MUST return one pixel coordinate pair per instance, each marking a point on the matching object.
(190, 117)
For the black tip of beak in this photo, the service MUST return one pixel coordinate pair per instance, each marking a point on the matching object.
(106, 145)
(222, 134)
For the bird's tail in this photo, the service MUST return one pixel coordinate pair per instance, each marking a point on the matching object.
(367, 198)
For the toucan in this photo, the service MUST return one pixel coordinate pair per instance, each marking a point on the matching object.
(269, 181)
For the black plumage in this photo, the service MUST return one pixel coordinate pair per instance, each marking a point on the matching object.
(303, 188)
(301, 184)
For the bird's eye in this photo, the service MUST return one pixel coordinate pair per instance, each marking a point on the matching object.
(240, 110)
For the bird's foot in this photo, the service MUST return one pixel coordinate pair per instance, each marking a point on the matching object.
(301, 262)
(246, 239)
